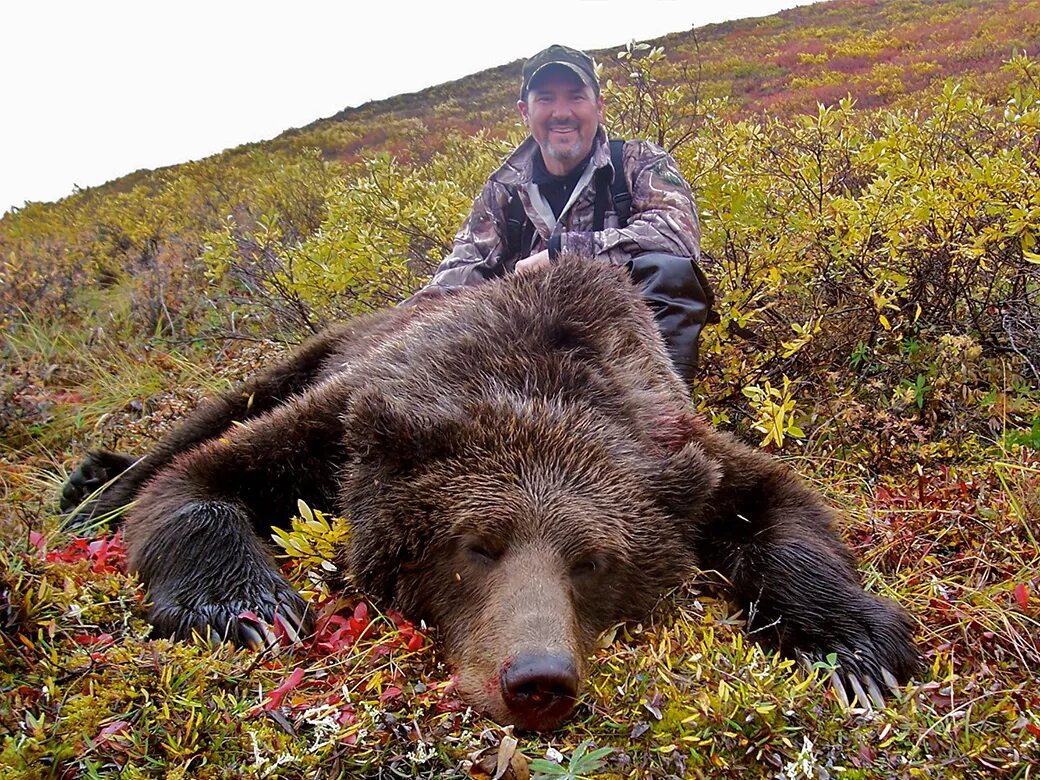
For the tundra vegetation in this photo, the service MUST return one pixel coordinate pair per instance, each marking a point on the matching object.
(867, 176)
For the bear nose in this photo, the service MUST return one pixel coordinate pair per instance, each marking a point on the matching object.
(540, 689)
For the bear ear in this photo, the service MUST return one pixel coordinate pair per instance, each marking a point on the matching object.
(682, 476)
(380, 427)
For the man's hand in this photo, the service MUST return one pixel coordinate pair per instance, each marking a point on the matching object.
(534, 262)
(426, 294)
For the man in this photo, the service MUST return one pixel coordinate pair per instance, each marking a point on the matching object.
(559, 192)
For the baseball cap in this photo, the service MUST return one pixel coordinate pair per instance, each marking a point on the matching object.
(578, 62)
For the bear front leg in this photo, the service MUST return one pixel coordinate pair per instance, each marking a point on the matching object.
(775, 542)
(207, 572)
(106, 483)
(197, 535)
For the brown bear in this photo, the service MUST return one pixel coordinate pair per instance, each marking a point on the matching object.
(520, 467)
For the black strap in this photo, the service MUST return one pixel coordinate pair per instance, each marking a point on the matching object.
(619, 187)
(599, 212)
(520, 229)
(619, 193)
(518, 226)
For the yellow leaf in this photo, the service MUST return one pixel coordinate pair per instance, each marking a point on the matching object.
(375, 683)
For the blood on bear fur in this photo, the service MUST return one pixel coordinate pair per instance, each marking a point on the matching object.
(520, 467)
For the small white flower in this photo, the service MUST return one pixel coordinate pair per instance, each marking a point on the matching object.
(554, 755)
(804, 764)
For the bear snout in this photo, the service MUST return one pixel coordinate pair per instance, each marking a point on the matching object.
(539, 689)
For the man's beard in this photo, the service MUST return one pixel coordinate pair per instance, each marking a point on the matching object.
(568, 152)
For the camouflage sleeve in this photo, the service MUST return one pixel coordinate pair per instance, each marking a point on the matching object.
(480, 243)
(663, 218)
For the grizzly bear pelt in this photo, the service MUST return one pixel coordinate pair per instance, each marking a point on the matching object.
(520, 467)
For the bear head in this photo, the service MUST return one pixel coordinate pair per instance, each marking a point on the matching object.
(522, 529)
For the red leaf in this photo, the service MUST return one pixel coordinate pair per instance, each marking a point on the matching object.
(326, 625)
(274, 697)
(360, 620)
(390, 693)
(415, 642)
(248, 614)
(449, 705)
(1033, 729)
(107, 735)
(346, 717)
(866, 756)
(338, 640)
(113, 728)
(109, 554)
(1022, 595)
(37, 540)
(93, 639)
(76, 551)
(68, 397)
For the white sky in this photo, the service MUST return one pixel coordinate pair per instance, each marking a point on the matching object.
(92, 90)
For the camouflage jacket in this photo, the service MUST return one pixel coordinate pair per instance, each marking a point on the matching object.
(663, 216)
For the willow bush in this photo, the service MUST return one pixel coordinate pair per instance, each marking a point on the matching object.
(885, 245)
(385, 227)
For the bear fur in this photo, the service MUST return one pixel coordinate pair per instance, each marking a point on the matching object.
(520, 467)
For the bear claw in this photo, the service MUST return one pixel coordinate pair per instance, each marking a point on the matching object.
(839, 690)
(867, 693)
(252, 627)
(869, 690)
(891, 682)
(252, 638)
(875, 693)
(857, 688)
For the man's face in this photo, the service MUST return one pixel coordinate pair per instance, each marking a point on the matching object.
(562, 115)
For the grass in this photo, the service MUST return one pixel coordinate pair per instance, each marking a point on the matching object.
(85, 693)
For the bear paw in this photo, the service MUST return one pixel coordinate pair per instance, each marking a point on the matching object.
(875, 652)
(83, 498)
(247, 620)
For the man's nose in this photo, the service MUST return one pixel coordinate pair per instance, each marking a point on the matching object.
(561, 109)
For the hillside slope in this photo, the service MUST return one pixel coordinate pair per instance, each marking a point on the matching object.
(882, 52)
